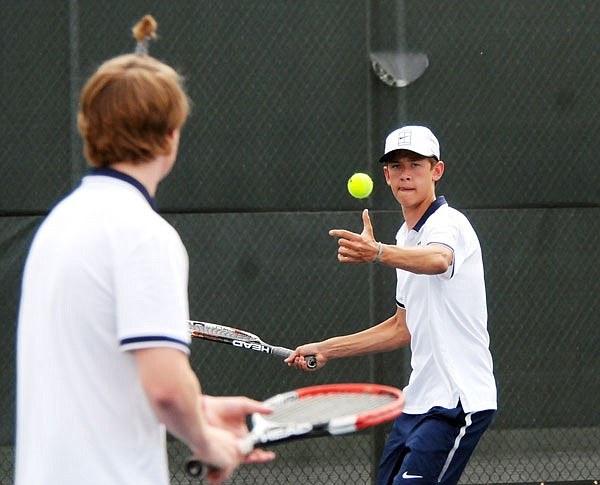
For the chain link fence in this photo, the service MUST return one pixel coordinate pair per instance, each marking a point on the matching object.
(286, 108)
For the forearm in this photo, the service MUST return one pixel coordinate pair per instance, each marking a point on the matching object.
(183, 416)
(430, 260)
(174, 394)
(384, 337)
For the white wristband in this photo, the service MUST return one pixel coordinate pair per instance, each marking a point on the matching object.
(378, 257)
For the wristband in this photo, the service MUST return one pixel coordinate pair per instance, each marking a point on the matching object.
(378, 257)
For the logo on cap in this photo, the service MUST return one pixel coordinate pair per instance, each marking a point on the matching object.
(404, 138)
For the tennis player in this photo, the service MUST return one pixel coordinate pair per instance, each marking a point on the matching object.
(103, 341)
(441, 313)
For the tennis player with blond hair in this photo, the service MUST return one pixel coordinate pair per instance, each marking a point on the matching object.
(103, 344)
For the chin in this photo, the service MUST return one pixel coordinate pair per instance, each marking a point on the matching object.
(408, 199)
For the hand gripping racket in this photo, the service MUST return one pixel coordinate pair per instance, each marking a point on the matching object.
(310, 412)
(241, 339)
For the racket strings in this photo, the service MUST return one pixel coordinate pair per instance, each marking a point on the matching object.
(217, 331)
(324, 407)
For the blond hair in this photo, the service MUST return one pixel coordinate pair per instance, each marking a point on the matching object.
(130, 105)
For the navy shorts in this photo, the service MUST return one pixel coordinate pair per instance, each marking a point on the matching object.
(433, 447)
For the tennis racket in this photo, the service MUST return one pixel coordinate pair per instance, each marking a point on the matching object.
(241, 340)
(310, 412)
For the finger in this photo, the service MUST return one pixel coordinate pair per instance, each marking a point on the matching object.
(289, 360)
(304, 364)
(292, 360)
(300, 363)
(343, 233)
(348, 252)
(368, 227)
(259, 456)
(253, 406)
(217, 475)
(241, 405)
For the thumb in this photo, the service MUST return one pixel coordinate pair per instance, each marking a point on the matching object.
(368, 227)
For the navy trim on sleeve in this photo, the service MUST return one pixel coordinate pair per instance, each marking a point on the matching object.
(451, 249)
(111, 172)
(152, 338)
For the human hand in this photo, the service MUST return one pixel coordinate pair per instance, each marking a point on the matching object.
(219, 449)
(229, 413)
(357, 248)
(297, 358)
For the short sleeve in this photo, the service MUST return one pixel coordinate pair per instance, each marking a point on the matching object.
(151, 292)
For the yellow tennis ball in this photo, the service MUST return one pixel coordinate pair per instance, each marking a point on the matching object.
(360, 185)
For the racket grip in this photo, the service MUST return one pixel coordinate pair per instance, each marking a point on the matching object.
(311, 361)
(193, 467)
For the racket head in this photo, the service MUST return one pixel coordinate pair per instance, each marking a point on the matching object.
(219, 333)
(328, 409)
(333, 409)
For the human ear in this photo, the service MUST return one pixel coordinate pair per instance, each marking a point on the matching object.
(386, 172)
(438, 171)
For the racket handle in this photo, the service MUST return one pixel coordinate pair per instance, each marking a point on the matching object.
(193, 467)
(311, 361)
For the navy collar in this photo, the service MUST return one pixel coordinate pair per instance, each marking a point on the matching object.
(435, 205)
(111, 172)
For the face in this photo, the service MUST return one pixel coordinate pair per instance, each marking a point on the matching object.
(412, 178)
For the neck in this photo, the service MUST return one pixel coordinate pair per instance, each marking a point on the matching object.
(413, 214)
(149, 174)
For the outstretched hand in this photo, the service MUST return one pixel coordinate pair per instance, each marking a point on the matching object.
(357, 248)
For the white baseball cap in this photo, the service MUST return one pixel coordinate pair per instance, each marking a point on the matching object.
(418, 139)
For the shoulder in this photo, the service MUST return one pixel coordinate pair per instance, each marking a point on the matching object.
(447, 211)
(449, 216)
(451, 226)
(132, 223)
(149, 227)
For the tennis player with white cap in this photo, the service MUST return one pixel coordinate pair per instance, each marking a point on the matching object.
(441, 312)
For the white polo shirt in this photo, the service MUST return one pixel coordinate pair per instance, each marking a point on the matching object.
(105, 274)
(447, 318)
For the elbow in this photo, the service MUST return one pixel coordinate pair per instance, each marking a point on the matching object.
(442, 265)
(163, 398)
(441, 261)
(436, 266)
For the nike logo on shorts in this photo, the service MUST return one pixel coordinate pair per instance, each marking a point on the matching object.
(407, 476)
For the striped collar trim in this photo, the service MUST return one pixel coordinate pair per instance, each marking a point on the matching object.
(111, 172)
(435, 205)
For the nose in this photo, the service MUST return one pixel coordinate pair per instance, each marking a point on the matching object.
(404, 174)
